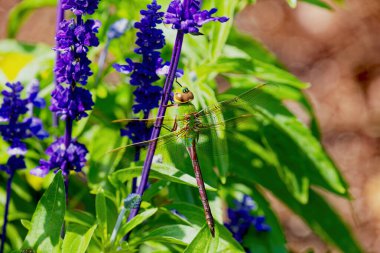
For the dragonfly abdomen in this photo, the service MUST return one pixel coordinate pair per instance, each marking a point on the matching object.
(201, 187)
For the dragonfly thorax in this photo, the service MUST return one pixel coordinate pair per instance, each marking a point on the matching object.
(183, 96)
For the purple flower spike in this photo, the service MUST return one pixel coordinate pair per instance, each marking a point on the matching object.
(80, 7)
(190, 21)
(73, 40)
(66, 102)
(62, 158)
(241, 219)
(150, 40)
(14, 131)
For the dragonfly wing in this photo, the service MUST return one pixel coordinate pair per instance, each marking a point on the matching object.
(254, 96)
(211, 134)
(162, 141)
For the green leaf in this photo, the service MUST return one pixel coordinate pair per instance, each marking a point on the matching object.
(195, 215)
(159, 171)
(253, 168)
(101, 213)
(80, 217)
(77, 238)
(20, 12)
(272, 241)
(204, 242)
(176, 234)
(48, 218)
(137, 220)
(252, 47)
(292, 165)
(26, 223)
(319, 168)
(318, 3)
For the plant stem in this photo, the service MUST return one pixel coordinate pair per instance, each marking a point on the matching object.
(134, 180)
(6, 211)
(68, 137)
(161, 113)
(60, 17)
(117, 225)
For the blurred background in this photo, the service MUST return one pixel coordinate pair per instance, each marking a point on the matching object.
(338, 53)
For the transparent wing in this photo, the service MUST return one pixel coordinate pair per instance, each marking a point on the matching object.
(210, 134)
(243, 101)
(162, 141)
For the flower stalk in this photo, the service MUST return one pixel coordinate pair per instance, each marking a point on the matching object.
(6, 211)
(60, 16)
(160, 117)
(14, 131)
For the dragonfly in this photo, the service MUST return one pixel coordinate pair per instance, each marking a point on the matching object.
(186, 124)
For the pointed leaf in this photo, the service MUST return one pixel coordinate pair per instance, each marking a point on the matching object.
(47, 220)
(77, 238)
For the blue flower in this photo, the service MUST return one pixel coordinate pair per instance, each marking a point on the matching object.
(241, 219)
(71, 102)
(73, 41)
(147, 96)
(190, 21)
(61, 158)
(14, 163)
(14, 131)
(80, 7)
(137, 131)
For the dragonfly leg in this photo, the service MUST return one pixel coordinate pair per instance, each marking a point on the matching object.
(202, 189)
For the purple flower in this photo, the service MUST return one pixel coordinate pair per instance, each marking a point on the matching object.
(241, 219)
(189, 21)
(80, 7)
(14, 163)
(137, 131)
(73, 103)
(149, 41)
(14, 131)
(73, 41)
(61, 158)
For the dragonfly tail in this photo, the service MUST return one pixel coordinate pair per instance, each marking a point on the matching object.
(202, 189)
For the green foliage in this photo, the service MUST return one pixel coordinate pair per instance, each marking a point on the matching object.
(272, 152)
(47, 221)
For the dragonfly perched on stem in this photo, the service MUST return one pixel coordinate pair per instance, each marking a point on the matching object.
(186, 124)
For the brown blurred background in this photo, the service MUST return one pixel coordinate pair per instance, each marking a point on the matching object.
(338, 52)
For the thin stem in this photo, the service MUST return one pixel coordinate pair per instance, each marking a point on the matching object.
(68, 138)
(117, 225)
(161, 113)
(134, 180)
(6, 211)
(60, 17)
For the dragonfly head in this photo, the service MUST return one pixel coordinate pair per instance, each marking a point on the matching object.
(184, 95)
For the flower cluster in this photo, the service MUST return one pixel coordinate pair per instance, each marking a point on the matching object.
(73, 41)
(14, 131)
(69, 102)
(74, 156)
(150, 40)
(241, 219)
(80, 7)
(191, 19)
